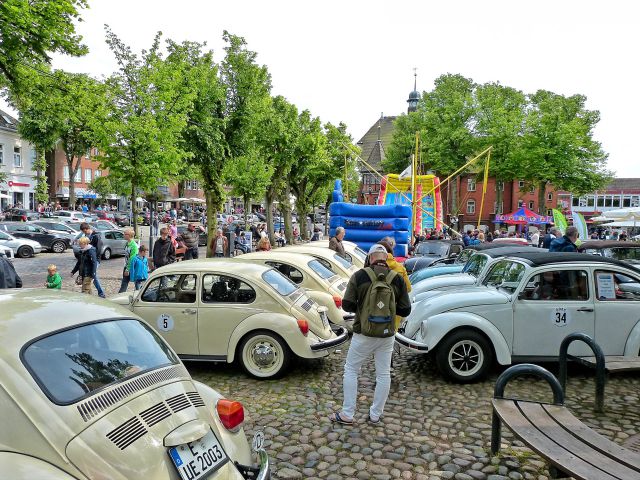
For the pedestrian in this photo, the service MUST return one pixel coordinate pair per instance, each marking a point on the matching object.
(550, 237)
(130, 251)
(535, 238)
(264, 245)
(85, 265)
(375, 294)
(96, 241)
(140, 267)
(164, 252)
(191, 238)
(219, 244)
(566, 243)
(9, 278)
(242, 244)
(156, 224)
(54, 280)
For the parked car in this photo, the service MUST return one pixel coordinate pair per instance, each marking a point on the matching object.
(20, 215)
(516, 240)
(122, 219)
(523, 309)
(21, 247)
(113, 243)
(220, 310)
(625, 251)
(101, 225)
(6, 251)
(320, 283)
(51, 241)
(58, 227)
(202, 239)
(69, 216)
(328, 258)
(355, 254)
(104, 215)
(429, 251)
(94, 392)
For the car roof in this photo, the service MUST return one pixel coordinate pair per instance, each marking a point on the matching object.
(550, 258)
(505, 251)
(224, 265)
(608, 244)
(29, 313)
(434, 240)
(276, 255)
(492, 245)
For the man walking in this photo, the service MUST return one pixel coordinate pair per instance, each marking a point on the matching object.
(335, 242)
(96, 242)
(376, 295)
(219, 245)
(191, 238)
(566, 243)
(163, 251)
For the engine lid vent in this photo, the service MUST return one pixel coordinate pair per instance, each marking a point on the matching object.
(179, 402)
(127, 433)
(155, 414)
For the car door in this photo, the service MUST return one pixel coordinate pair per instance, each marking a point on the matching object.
(617, 308)
(39, 235)
(119, 243)
(553, 303)
(225, 301)
(168, 304)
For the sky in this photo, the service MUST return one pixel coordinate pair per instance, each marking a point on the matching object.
(353, 60)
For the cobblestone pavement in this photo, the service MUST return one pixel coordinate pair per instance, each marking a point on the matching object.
(431, 429)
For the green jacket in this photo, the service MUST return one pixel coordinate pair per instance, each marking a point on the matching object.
(54, 281)
(131, 252)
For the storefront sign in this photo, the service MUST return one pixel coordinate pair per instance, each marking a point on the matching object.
(11, 183)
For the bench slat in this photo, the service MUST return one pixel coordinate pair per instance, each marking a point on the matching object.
(613, 363)
(548, 449)
(539, 417)
(565, 418)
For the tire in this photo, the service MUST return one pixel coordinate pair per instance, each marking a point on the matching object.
(25, 252)
(277, 355)
(464, 356)
(106, 255)
(58, 247)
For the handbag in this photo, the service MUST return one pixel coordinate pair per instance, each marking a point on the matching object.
(79, 280)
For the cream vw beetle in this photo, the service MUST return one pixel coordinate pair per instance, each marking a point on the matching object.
(523, 309)
(221, 310)
(328, 258)
(320, 283)
(355, 254)
(90, 391)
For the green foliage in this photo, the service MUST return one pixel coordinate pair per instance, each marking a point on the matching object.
(31, 29)
(248, 176)
(42, 186)
(343, 156)
(107, 185)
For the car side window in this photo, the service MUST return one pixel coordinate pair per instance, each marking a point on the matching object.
(171, 289)
(3, 236)
(557, 285)
(109, 236)
(615, 286)
(226, 289)
(118, 235)
(293, 273)
(17, 228)
(33, 229)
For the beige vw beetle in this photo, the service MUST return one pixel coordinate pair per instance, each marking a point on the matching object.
(222, 310)
(355, 254)
(90, 391)
(320, 283)
(328, 258)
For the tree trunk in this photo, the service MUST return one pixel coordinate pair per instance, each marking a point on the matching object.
(181, 189)
(213, 201)
(269, 201)
(303, 214)
(72, 181)
(326, 214)
(247, 201)
(134, 209)
(542, 198)
(285, 201)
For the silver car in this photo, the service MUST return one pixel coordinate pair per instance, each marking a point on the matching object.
(21, 247)
(113, 243)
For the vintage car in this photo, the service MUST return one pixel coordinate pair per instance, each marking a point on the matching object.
(429, 251)
(472, 273)
(328, 258)
(223, 310)
(523, 309)
(625, 251)
(320, 283)
(94, 393)
(355, 254)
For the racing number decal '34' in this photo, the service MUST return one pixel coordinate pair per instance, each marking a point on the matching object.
(560, 317)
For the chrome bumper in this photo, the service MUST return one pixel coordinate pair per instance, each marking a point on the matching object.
(411, 344)
(262, 472)
(342, 336)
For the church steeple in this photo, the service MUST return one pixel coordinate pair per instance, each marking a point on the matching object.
(414, 96)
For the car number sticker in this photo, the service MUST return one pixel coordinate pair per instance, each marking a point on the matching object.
(560, 317)
(258, 441)
(165, 322)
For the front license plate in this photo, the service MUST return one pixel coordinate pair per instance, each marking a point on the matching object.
(198, 459)
(325, 319)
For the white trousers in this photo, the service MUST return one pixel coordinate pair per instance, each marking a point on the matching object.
(360, 351)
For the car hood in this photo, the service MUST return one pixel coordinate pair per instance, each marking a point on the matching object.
(128, 442)
(452, 300)
(440, 281)
(420, 260)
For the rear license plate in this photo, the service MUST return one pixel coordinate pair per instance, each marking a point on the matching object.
(198, 459)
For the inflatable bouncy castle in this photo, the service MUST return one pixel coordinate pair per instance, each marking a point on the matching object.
(395, 190)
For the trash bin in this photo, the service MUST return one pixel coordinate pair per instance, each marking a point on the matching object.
(231, 238)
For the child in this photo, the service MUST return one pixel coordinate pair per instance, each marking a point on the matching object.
(140, 267)
(54, 280)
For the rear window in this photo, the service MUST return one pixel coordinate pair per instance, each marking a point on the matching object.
(320, 269)
(345, 263)
(279, 282)
(361, 254)
(71, 364)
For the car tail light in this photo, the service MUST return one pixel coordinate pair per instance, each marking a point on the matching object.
(338, 301)
(303, 325)
(230, 413)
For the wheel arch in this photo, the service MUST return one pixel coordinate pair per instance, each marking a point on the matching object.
(632, 346)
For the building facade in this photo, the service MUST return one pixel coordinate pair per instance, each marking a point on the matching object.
(620, 193)
(16, 163)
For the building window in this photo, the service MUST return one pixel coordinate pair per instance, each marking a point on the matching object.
(626, 201)
(591, 201)
(575, 201)
(616, 202)
(34, 156)
(549, 197)
(520, 203)
(191, 185)
(471, 185)
(521, 183)
(549, 212)
(1, 154)
(78, 176)
(87, 175)
(17, 157)
(635, 201)
(499, 186)
(497, 207)
(530, 205)
(471, 206)
(600, 201)
(97, 174)
(65, 172)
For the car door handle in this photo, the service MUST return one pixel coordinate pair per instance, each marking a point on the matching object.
(585, 309)
(189, 311)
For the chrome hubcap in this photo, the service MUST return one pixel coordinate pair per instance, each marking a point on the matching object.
(263, 355)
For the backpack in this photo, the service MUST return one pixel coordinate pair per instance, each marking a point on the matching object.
(96, 242)
(377, 317)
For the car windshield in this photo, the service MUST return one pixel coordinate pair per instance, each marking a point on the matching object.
(320, 269)
(279, 282)
(465, 255)
(342, 261)
(505, 274)
(475, 264)
(71, 364)
(432, 248)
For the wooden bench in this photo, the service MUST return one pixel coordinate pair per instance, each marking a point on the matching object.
(554, 433)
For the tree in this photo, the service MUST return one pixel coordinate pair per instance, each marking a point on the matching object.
(149, 97)
(30, 30)
(558, 147)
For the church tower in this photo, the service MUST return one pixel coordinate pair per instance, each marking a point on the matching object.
(414, 96)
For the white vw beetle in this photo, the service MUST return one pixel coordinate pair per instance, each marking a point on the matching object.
(523, 309)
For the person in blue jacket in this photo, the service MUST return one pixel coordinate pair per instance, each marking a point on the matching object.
(566, 243)
(140, 267)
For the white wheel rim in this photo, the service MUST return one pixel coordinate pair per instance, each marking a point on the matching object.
(466, 358)
(263, 356)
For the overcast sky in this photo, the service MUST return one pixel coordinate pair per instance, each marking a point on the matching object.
(352, 60)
